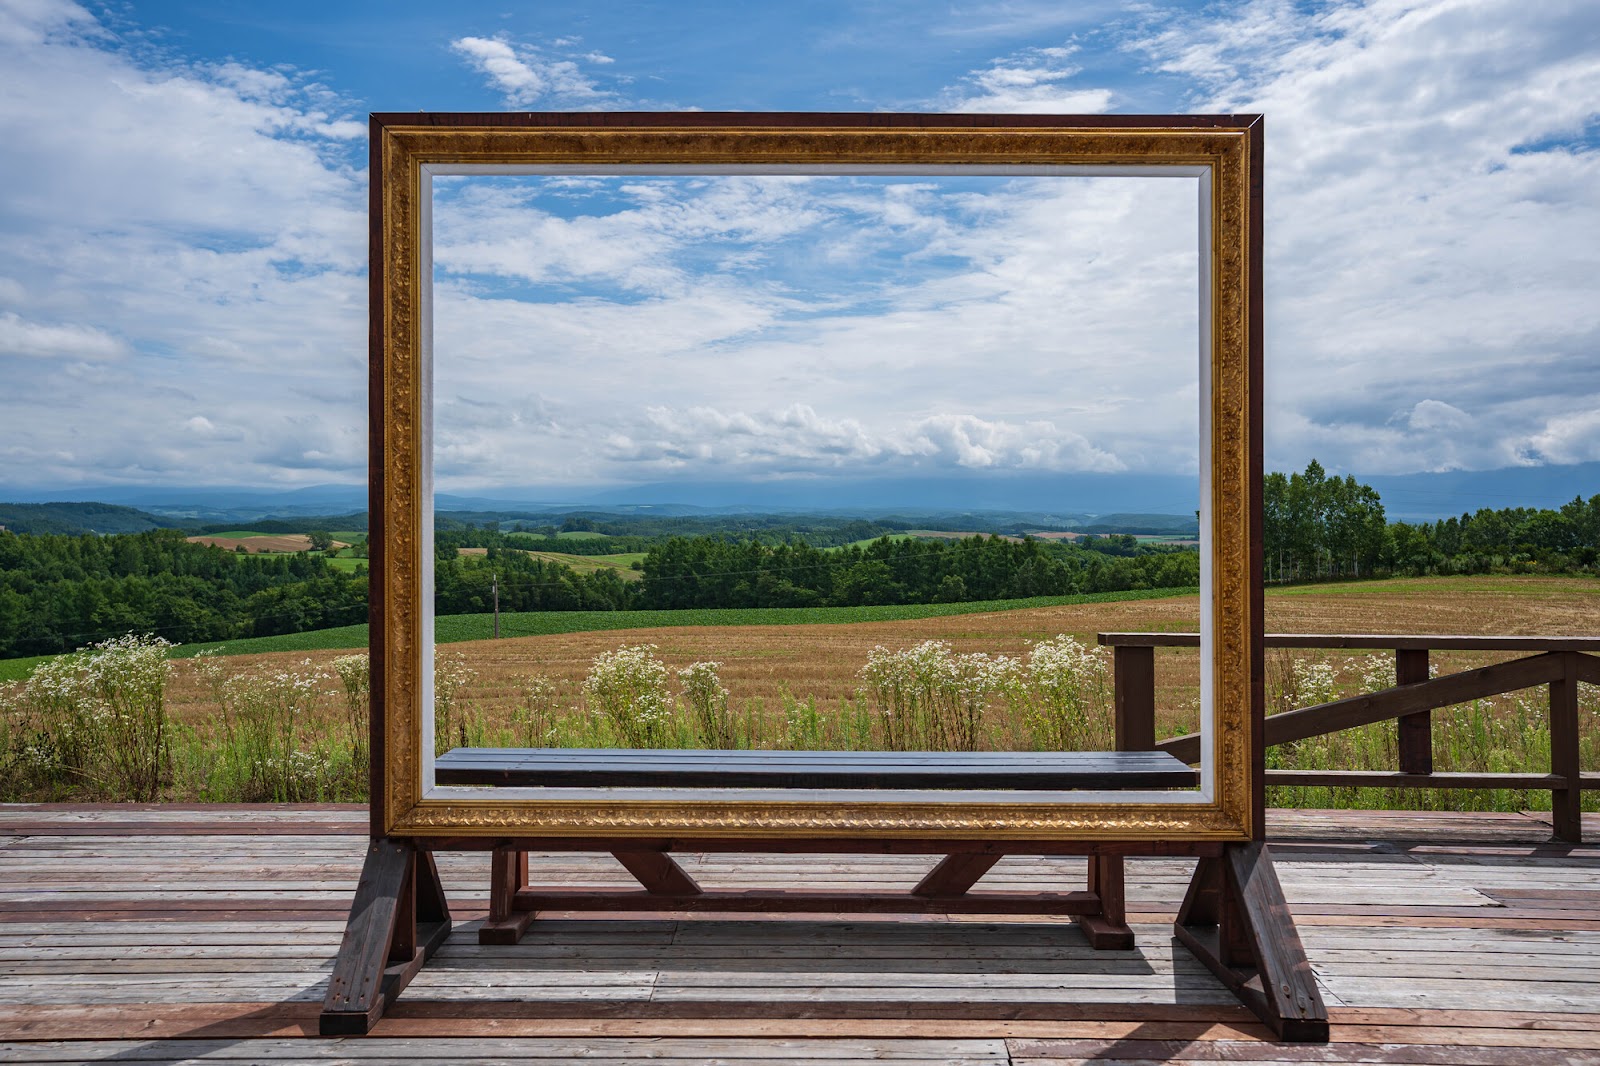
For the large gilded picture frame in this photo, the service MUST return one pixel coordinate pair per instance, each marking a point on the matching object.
(1223, 154)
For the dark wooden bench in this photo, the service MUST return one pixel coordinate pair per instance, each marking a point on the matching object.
(1099, 909)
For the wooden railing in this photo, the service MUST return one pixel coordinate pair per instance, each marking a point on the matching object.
(1557, 662)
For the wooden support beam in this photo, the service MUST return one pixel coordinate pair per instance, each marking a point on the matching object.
(658, 872)
(954, 874)
(1235, 920)
(1376, 641)
(1415, 730)
(384, 944)
(1566, 811)
(1395, 779)
(807, 901)
(1393, 702)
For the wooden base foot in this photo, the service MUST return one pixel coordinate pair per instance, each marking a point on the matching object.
(1235, 920)
(398, 919)
(1103, 935)
(505, 930)
(1108, 929)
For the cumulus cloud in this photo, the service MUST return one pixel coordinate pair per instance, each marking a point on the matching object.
(625, 443)
(525, 75)
(1571, 438)
(897, 323)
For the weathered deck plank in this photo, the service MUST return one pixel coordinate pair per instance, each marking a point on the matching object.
(208, 934)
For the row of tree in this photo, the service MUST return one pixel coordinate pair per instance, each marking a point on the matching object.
(704, 572)
(1317, 527)
(61, 592)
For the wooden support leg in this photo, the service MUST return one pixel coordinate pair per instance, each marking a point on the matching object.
(1134, 692)
(508, 872)
(1236, 921)
(398, 919)
(1109, 929)
(1566, 804)
(1415, 731)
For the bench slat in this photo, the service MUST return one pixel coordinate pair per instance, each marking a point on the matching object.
(600, 768)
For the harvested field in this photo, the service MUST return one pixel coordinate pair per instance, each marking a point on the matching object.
(286, 542)
(764, 663)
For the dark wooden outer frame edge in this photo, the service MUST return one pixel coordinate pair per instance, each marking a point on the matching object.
(1256, 326)
(380, 477)
(377, 485)
(814, 119)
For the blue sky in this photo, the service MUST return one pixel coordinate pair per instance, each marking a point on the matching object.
(182, 198)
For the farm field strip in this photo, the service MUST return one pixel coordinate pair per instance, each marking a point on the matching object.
(621, 562)
(811, 656)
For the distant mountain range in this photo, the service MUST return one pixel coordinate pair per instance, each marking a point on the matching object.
(1048, 500)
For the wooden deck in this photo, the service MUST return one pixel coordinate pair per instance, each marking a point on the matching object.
(169, 934)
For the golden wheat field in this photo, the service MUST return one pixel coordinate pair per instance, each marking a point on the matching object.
(823, 662)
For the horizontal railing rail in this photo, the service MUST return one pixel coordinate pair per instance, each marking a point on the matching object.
(1560, 663)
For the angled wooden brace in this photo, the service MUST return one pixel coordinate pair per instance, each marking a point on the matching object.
(1235, 920)
(397, 921)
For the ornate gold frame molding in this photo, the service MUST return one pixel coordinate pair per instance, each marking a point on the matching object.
(405, 150)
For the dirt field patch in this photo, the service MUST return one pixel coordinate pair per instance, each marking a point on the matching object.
(287, 542)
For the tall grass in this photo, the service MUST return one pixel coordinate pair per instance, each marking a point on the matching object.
(1509, 733)
(94, 725)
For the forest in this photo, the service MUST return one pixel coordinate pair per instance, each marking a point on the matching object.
(59, 593)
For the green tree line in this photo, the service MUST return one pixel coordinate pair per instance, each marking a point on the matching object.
(703, 572)
(1317, 527)
(59, 593)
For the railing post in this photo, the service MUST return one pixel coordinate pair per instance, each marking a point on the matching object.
(1566, 808)
(1416, 730)
(1133, 671)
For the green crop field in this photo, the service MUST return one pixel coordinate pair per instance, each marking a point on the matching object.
(872, 540)
(586, 564)
(622, 562)
(348, 564)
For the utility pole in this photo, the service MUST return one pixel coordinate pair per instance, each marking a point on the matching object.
(495, 588)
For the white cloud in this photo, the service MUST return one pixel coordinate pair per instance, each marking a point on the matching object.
(1572, 438)
(179, 237)
(1432, 229)
(1026, 324)
(524, 75)
(1033, 81)
(189, 238)
(491, 446)
(23, 338)
(1434, 416)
